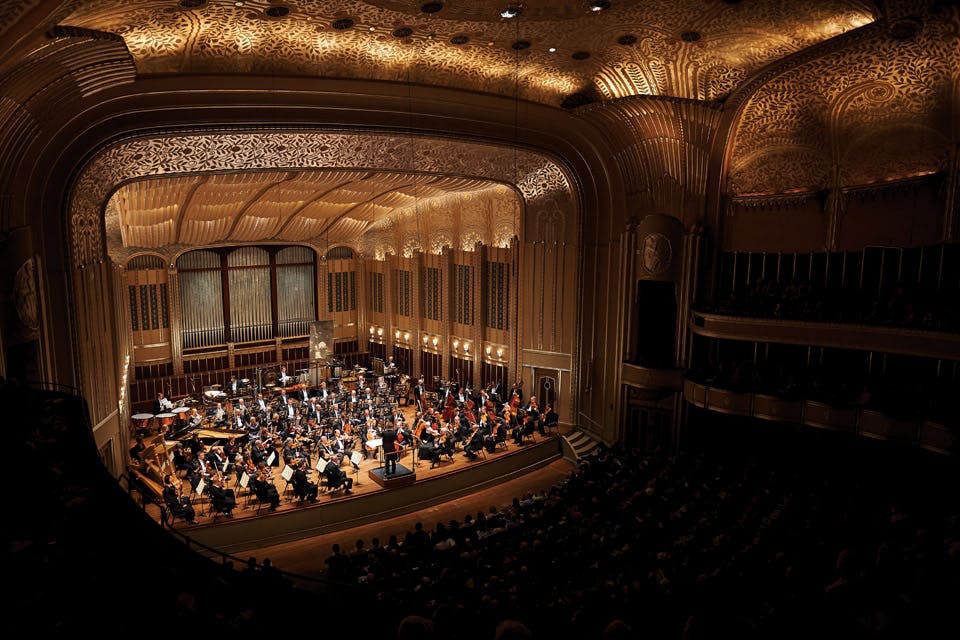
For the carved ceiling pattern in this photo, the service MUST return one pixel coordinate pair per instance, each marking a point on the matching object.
(240, 196)
(664, 145)
(458, 221)
(877, 109)
(734, 40)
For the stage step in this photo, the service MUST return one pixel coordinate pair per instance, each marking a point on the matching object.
(580, 443)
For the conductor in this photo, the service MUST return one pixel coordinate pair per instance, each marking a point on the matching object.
(389, 436)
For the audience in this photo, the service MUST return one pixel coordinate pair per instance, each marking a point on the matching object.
(713, 542)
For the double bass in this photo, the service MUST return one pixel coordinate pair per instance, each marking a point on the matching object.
(468, 412)
(449, 408)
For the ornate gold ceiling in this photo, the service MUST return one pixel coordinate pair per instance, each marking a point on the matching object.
(698, 49)
(883, 106)
(337, 207)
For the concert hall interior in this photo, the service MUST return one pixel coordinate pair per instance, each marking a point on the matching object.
(580, 318)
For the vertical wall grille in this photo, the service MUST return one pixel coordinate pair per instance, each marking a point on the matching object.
(403, 296)
(343, 289)
(464, 294)
(497, 305)
(376, 292)
(432, 299)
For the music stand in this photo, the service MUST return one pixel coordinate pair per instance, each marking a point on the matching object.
(320, 467)
(201, 485)
(245, 483)
(286, 474)
(355, 459)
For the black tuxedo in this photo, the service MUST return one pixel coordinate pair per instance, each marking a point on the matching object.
(389, 437)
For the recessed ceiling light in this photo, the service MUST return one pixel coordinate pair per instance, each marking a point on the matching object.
(627, 39)
(580, 55)
(402, 32)
(599, 5)
(510, 12)
(690, 36)
(372, 29)
(458, 40)
(520, 45)
(342, 23)
(552, 49)
(277, 11)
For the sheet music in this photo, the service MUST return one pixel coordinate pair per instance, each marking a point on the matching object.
(200, 487)
(273, 456)
(356, 458)
(244, 480)
(287, 473)
(321, 465)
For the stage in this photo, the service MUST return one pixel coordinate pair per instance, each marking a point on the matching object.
(401, 478)
(372, 502)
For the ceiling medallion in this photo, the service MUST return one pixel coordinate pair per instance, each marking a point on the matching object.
(690, 36)
(461, 39)
(192, 4)
(580, 55)
(627, 39)
(402, 32)
(342, 23)
(431, 7)
(521, 44)
(277, 11)
(905, 28)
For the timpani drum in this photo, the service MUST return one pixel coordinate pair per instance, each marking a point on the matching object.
(181, 413)
(140, 420)
(166, 419)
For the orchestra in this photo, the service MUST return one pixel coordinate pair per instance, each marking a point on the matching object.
(245, 430)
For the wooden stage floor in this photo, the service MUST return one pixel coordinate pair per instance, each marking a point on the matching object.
(364, 485)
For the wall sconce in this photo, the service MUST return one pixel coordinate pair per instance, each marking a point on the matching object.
(425, 339)
(406, 336)
(371, 330)
(436, 340)
(499, 353)
(396, 334)
(380, 331)
(456, 343)
(489, 349)
(466, 346)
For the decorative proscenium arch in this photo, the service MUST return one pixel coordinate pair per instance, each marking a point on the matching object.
(546, 186)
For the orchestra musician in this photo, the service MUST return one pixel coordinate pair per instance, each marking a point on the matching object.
(474, 442)
(262, 405)
(325, 450)
(389, 367)
(162, 404)
(178, 504)
(337, 477)
(418, 390)
(303, 487)
(323, 393)
(283, 378)
(234, 385)
(263, 487)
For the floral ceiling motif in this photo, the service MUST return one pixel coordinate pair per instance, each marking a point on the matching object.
(551, 52)
(878, 108)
